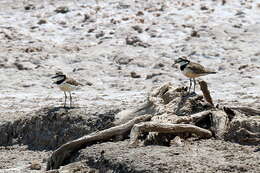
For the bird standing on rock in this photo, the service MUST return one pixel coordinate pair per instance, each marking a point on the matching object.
(66, 85)
(192, 70)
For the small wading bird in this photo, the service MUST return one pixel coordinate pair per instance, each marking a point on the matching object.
(66, 85)
(192, 70)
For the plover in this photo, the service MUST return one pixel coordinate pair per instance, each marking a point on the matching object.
(192, 70)
(66, 85)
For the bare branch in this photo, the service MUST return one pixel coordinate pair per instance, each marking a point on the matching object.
(166, 128)
(205, 91)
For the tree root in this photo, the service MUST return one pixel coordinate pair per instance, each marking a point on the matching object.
(166, 128)
(58, 156)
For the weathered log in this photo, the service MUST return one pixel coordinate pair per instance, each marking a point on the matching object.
(205, 91)
(193, 118)
(65, 151)
(127, 115)
(248, 111)
(165, 128)
(219, 123)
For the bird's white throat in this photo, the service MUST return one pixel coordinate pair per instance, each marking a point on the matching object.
(59, 78)
(183, 63)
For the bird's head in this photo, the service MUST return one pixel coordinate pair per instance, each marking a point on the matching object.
(59, 76)
(181, 61)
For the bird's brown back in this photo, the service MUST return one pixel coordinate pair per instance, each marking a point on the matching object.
(73, 82)
(199, 69)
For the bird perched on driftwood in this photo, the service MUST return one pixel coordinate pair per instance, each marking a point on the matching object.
(66, 85)
(192, 70)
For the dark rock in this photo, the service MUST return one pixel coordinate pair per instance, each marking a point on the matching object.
(158, 66)
(91, 30)
(243, 67)
(194, 34)
(62, 9)
(86, 17)
(122, 60)
(204, 8)
(137, 28)
(42, 21)
(20, 66)
(100, 34)
(139, 13)
(135, 41)
(149, 76)
(29, 7)
(134, 75)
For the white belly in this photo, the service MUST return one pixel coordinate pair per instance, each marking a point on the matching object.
(67, 87)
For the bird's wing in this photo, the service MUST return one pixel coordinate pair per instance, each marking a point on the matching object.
(199, 69)
(73, 82)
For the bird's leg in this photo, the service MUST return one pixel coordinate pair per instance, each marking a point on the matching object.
(190, 86)
(194, 84)
(65, 99)
(70, 99)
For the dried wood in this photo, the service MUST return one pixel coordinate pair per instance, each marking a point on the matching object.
(63, 152)
(193, 118)
(165, 128)
(219, 124)
(205, 91)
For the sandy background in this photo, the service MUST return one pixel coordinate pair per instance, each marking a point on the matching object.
(89, 44)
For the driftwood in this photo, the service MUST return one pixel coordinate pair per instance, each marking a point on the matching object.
(166, 128)
(205, 91)
(219, 124)
(172, 113)
(63, 152)
(193, 118)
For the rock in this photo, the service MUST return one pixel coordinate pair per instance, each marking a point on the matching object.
(20, 66)
(100, 34)
(121, 5)
(139, 13)
(29, 7)
(135, 41)
(137, 28)
(194, 34)
(134, 75)
(62, 9)
(91, 30)
(41, 21)
(86, 17)
(204, 7)
(149, 76)
(35, 166)
(158, 65)
(32, 49)
(122, 59)
(242, 67)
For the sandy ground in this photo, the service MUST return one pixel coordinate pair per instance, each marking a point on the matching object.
(89, 43)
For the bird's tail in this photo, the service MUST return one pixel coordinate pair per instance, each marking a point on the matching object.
(211, 72)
